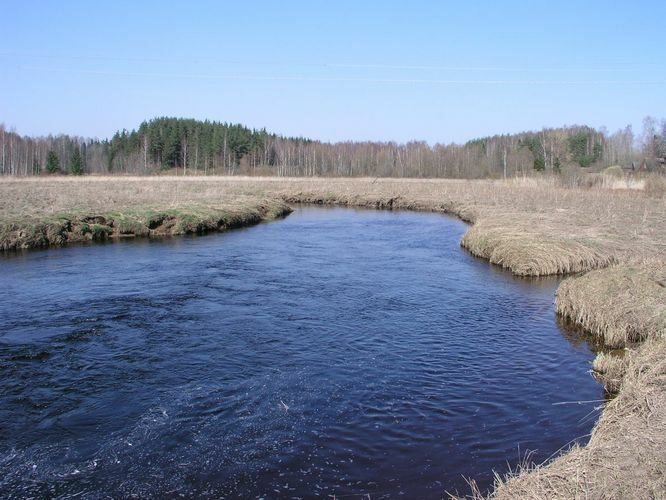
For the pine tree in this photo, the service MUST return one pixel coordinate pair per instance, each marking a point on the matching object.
(76, 163)
(52, 163)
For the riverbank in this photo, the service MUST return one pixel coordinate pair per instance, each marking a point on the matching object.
(530, 227)
(624, 306)
(62, 213)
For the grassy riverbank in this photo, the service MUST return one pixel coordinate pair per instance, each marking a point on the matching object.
(625, 306)
(42, 214)
(533, 228)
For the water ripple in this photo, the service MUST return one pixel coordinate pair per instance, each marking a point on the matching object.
(335, 352)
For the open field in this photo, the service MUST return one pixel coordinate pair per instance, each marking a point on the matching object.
(531, 227)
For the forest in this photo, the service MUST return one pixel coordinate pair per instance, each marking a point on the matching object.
(191, 146)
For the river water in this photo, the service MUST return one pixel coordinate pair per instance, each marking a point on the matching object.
(335, 352)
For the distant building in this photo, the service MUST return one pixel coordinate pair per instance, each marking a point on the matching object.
(657, 165)
(647, 165)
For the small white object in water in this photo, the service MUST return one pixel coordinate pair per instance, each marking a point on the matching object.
(286, 408)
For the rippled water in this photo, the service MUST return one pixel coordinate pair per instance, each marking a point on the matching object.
(334, 352)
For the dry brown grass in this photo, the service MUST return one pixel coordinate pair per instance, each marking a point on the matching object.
(626, 455)
(527, 225)
(609, 368)
(51, 212)
(532, 227)
(622, 305)
(655, 185)
(510, 245)
(625, 306)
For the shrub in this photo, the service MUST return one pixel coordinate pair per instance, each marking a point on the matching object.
(99, 232)
(613, 171)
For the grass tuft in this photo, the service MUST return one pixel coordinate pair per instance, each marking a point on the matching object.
(623, 305)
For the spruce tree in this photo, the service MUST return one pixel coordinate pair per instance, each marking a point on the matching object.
(52, 163)
(76, 163)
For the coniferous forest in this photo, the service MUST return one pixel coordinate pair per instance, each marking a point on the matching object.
(208, 147)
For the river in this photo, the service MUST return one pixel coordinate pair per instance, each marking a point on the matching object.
(335, 352)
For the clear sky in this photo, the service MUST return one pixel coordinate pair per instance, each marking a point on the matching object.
(440, 71)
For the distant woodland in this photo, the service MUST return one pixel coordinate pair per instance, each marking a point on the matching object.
(208, 147)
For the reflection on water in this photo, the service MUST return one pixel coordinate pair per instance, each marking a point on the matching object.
(335, 352)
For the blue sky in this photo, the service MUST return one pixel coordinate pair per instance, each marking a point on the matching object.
(440, 71)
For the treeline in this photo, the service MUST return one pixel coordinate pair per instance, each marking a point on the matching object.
(209, 147)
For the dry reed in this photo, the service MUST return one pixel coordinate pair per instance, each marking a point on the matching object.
(610, 367)
(622, 305)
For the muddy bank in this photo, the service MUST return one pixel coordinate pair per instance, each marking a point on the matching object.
(63, 228)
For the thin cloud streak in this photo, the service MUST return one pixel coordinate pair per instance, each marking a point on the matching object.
(432, 81)
(620, 67)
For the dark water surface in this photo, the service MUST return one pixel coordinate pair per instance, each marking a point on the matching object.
(334, 352)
